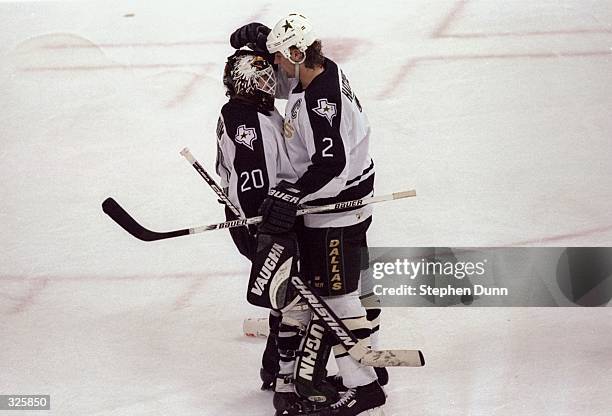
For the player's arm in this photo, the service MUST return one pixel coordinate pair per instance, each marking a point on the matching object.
(326, 176)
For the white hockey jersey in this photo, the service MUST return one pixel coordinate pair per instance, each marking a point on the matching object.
(251, 157)
(327, 138)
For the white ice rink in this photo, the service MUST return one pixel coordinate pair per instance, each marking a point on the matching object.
(499, 113)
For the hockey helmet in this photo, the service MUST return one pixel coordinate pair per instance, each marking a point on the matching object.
(294, 30)
(249, 76)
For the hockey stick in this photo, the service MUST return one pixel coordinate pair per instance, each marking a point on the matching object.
(357, 349)
(211, 182)
(129, 224)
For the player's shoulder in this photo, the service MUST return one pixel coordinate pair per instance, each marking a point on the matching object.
(236, 114)
(326, 84)
(323, 96)
(237, 110)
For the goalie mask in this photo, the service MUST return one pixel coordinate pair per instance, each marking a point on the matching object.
(250, 77)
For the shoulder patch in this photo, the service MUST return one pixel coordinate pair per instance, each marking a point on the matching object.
(325, 109)
(245, 136)
(296, 108)
(220, 128)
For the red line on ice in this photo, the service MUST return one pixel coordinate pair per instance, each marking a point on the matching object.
(448, 19)
(109, 67)
(186, 91)
(126, 278)
(403, 72)
(184, 300)
(411, 63)
(36, 287)
(441, 30)
(561, 237)
(134, 44)
(526, 33)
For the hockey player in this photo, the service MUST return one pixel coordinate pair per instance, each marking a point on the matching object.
(251, 159)
(327, 139)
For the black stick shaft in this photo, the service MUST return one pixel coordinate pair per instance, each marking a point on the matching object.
(211, 182)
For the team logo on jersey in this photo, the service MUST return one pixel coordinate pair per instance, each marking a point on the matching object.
(296, 108)
(325, 109)
(288, 129)
(246, 136)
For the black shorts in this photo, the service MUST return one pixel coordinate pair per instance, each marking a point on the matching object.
(331, 259)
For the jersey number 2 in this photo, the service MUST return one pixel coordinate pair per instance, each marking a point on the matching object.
(325, 153)
(250, 180)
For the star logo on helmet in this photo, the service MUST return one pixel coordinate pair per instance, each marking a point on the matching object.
(287, 26)
(245, 136)
(325, 109)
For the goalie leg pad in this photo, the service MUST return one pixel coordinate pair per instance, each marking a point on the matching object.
(290, 335)
(310, 370)
(269, 360)
(275, 261)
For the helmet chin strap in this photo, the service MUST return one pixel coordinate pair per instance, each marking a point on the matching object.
(297, 71)
(296, 65)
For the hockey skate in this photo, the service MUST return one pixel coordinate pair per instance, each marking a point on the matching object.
(362, 400)
(382, 374)
(290, 404)
(336, 380)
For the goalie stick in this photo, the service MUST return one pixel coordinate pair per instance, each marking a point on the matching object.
(211, 182)
(366, 356)
(129, 224)
(359, 350)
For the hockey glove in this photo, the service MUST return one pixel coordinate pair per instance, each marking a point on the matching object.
(252, 35)
(279, 209)
(243, 237)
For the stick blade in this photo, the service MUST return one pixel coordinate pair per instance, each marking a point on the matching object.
(404, 194)
(129, 224)
(394, 358)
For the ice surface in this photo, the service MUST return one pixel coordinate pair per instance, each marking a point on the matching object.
(498, 113)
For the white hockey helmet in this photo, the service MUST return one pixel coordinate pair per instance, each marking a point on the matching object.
(294, 30)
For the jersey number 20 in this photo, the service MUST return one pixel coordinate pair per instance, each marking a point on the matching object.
(250, 180)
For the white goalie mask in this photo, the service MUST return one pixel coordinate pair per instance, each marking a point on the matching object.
(294, 30)
(249, 75)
